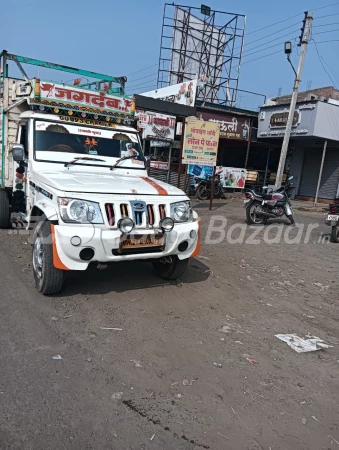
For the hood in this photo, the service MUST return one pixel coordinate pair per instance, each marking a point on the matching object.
(106, 183)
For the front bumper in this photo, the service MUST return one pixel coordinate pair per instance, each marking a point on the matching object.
(104, 242)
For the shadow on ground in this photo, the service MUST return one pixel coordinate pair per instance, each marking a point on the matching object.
(125, 277)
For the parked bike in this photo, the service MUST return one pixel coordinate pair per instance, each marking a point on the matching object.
(332, 220)
(261, 207)
(205, 186)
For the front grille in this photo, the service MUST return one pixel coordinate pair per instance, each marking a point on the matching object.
(150, 215)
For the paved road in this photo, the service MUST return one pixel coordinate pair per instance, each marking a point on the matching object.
(153, 385)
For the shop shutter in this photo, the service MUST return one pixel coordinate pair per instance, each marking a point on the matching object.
(161, 175)
(310, 172)
(330, 176)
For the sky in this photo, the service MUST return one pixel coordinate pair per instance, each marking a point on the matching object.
(123, 38)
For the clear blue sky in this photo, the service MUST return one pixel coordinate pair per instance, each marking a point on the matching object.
(122, 37)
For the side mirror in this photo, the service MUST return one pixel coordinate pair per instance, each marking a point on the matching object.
(265, 187)
(18, 152)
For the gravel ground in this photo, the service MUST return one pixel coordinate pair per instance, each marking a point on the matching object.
(152, 382)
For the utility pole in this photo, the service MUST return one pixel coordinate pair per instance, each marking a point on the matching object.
(307, 25)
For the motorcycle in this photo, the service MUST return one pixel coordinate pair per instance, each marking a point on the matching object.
(332, 220)
(261, 207)
(205, 186)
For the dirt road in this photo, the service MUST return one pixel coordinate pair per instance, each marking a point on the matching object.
(150, 382)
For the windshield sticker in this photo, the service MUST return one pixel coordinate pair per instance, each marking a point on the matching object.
(90, 146)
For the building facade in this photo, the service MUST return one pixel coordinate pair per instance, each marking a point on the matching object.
(314, 137)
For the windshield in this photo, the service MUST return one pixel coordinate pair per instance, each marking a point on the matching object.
(62, 142)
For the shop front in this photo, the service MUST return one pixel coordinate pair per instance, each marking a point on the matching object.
(160, 125)
(313, 153)
(239, 148)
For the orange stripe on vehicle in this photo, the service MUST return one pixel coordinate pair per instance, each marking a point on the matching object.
(160, 189)
(197, 248)
(58, 264)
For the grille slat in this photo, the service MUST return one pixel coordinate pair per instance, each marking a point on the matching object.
(150, 216)
(110, 214)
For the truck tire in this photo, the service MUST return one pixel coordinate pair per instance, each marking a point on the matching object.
(171, 270)
(48, 279)
(5, 210)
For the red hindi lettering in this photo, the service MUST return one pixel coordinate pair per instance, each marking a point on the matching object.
(63, 93)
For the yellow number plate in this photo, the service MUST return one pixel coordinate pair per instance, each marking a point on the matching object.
(143, 241)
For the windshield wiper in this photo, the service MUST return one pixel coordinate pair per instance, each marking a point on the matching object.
(123, 159)
(83, 158)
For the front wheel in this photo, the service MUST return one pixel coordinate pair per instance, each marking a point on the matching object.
(291, 219)
(253, 215)
(202, 192)
(48, 279)
(335, 234)
(171, 270)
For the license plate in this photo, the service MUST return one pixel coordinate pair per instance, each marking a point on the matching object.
(332, 217)
(247, 200)
(142, 241)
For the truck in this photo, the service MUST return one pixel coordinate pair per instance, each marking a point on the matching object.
(73, 172)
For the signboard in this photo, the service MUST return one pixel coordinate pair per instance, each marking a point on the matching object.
(83, 100)
(231, 127)
(162, 144)
(182, 93)
(159, 126)
(201, 142)
(279, 119)
(273, 122)
(159, 165)
(230, 177)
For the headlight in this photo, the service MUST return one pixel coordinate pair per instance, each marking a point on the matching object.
(181, 211)
(126, 225)
(79, 211)
(167, 224)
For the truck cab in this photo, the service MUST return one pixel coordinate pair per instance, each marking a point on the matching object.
(81, 185)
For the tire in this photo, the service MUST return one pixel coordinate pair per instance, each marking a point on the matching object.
(5, 210)
(291, 219)
(48, 279)
(250, 213)
(335, 234)
(202, 192)
(173, 270)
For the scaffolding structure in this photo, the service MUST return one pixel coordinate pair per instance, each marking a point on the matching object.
(203, 44)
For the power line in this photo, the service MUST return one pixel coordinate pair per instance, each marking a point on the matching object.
(258, 46)
(141, 70)
(325, 25)
(269, 35)
(329, 15)
(271, 46)
(141, 84)
(292, 17)
(327, 6)
(142, 78)
(324, 42)
(329, 31)
(260, 57)
(323, 62)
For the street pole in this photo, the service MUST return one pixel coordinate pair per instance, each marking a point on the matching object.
(297, 80)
